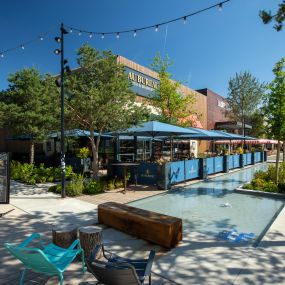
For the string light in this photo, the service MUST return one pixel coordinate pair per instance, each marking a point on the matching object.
(220, 7)
(117, 33)
(156, 26)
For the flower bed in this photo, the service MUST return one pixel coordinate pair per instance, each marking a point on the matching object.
(265, 180)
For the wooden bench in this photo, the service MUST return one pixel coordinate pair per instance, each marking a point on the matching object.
(157, 228)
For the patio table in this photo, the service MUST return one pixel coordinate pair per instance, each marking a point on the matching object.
(125, 166)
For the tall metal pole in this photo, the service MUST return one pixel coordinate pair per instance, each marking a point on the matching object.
(62, 151)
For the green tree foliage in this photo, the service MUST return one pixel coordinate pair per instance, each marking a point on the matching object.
(100, 98)
(275, 108)
(29, 105)
(172, 105)
(244, 96)
(256, 120)
(278, 17)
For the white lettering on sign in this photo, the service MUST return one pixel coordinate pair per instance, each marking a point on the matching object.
(221, 104)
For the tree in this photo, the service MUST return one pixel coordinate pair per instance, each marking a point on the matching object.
(256, 120)
(279, 17)
(172, 105)
(244, 97)
(99, 97)
(275, 109)
(28, 105)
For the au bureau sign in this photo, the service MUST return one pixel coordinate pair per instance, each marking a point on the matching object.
(142, 84)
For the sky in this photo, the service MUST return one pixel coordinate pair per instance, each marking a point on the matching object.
(208, 50)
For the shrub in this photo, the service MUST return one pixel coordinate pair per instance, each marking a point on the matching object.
(258, 183)
(119, 183)
(260, 175)
(111, 184)
(55, 189)
(31, 174)
(93, 187)
(75, 186)
(281, 187)
(270, 187)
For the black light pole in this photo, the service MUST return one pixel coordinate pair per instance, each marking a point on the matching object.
(61, 85)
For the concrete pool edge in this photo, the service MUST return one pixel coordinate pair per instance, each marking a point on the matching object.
(259, 193)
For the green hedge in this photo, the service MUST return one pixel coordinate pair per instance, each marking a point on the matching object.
(32, 174)
(264, 180)
(78, 186)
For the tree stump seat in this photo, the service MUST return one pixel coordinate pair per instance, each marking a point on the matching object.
(154, 227)
(64, 235)
(89, 237)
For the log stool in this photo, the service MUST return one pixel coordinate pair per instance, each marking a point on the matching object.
(89, 237)
(64, 236)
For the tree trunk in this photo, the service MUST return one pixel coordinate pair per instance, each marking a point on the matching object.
(95, 150)
(284, 151)
(277, 162)
(32, 152)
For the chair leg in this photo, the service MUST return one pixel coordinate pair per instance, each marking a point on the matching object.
(23, 276)
(149, 279)
(83, 261)
(60, 279)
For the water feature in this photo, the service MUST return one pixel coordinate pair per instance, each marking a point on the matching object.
(211, 206)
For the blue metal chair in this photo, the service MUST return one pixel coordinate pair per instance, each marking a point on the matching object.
(117, 270)
(50, 259)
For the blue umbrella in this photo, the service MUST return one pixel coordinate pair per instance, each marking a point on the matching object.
(155, 129)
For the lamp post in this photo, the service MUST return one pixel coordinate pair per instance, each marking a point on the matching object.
(60, 83)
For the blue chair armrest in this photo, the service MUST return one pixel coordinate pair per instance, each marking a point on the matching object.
(149, 263)
(30, 239)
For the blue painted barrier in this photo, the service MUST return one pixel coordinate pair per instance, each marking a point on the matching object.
(257, 157)
(218, 164)
(210, 165)
(191, 169)
(177, 172)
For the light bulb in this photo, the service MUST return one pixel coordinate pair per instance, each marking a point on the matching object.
(41, 38)
(2, 55)
(22, 47)
(135, 33)
(156, 28)
(118, 36)
(220, 7)
(102, 36)
(70, 30)
(184, 20)
(80, 33)
(90, 35)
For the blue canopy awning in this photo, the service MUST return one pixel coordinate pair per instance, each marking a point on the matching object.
(76, 133)
(154, 129)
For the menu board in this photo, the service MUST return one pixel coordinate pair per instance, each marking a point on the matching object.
(4, 178)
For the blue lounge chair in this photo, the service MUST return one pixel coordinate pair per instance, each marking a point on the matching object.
(119, 271)
(50, 259)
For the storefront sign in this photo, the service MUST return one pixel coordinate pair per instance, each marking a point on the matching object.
(142, 84)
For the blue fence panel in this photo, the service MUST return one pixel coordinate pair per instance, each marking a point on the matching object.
(249, 158)
(219, 164)
(210, 165)
(146, 173)
(244, 159)
(176, 172)
(231, 161)
(236, 161)
(192, 169)
(257, 157)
